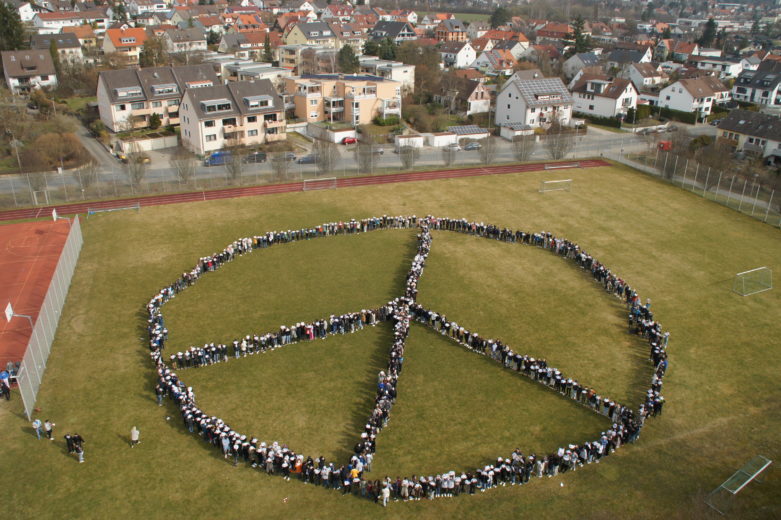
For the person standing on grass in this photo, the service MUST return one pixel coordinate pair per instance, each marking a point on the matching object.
(6, 389)
(37, 427)
(80, 452)
(385, 495)
(135, 435)
(69, 443)
(48, 427)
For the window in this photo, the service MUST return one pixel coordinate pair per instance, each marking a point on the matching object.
(157, 104)
(210, 138)
(313, 102)
(44, 78)
(169, 88)
(591, 107)
(209, 123)
(252, 133)
(173, 102)
(220, 105)
(120, 108)
(137, 106)
(508, 106)
(668, 98)
(252, 119)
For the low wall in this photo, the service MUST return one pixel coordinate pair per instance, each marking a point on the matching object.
(147, 145)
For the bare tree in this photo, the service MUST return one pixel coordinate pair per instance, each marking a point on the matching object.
(135, 167)
(409, 156)
(86, 175)
(327, 154)
(488, 150)
(234, 162)
(558, 143)
(279, 165)
(365, 157)
(523, 147)
(183, 163)
(449, 155)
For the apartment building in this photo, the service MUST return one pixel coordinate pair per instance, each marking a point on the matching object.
(242, 113)
(27, 70)
(127, 98)
(353, 99)
(393, 70)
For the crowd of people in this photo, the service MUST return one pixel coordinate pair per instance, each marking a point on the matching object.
(353, 477)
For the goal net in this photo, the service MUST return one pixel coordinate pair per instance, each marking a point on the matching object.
(328, 183)
(561, 185)
(753, 281)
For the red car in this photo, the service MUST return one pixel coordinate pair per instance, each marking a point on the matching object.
(349, 140)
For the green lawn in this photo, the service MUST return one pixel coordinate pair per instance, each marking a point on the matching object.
(455, 409)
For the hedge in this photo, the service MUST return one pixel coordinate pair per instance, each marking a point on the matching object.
(678, 115)
(604, 121)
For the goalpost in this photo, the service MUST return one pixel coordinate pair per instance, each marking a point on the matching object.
(753, 281)
(328, 183)
(560, 185)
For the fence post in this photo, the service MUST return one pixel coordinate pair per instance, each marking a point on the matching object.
(13, 191)
(718, 186)
(730, 190)
(656, 157)
(769, 202)
(696, 172)
(756, 196)
(707, 177)
(740, 205)
(664, 168)
(675, 172)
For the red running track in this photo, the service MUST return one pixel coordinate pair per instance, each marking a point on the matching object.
(229, 193)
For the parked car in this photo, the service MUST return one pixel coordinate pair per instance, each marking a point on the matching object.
(474, 145)
(715, 122)
(290, 156)
(217, 158)
(307, 159)
(256, 157)
(349, 140)
(141, 158)
(672, 128)
(379, 150)
(453, 146)
(665, 146)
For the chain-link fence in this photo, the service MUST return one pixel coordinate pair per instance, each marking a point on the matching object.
(35, 357)
(743, 193)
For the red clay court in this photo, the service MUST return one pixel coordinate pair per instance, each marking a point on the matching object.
(28, 256)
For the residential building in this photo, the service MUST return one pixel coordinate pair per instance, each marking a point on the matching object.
(515, 47)
(619, 58)
(258, 71)
(51, 23)
(724, 68)
(463, 96)
(244, 113)
(350, 98)
(694, 95)
(337, 13)
(457, 54)
(126, 43)
(128, 97)
(141, 7)
(185, 40)
(393, 70)
(349, 34)
(86, 36)
(27, 70)
(68, 46)
(311, 33)
(451, 31)
(247, 45)
(533, 102)
(759, 86)
(752, 132)
(396, 31)
(644, 76)
(554, 32)
(26, 10)
(477, 29)
(495, 62)
(577, 62)
(601, 96)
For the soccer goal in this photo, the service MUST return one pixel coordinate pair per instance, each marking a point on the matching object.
(753, 281)
(560, 185)
(328, 183)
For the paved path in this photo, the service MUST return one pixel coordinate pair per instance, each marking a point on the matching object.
(70, 209)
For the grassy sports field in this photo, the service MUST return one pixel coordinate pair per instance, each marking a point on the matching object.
(455, 409)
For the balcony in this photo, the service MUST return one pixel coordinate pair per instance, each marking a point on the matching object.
(141, 111)
(229, 129)
(274, 124)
